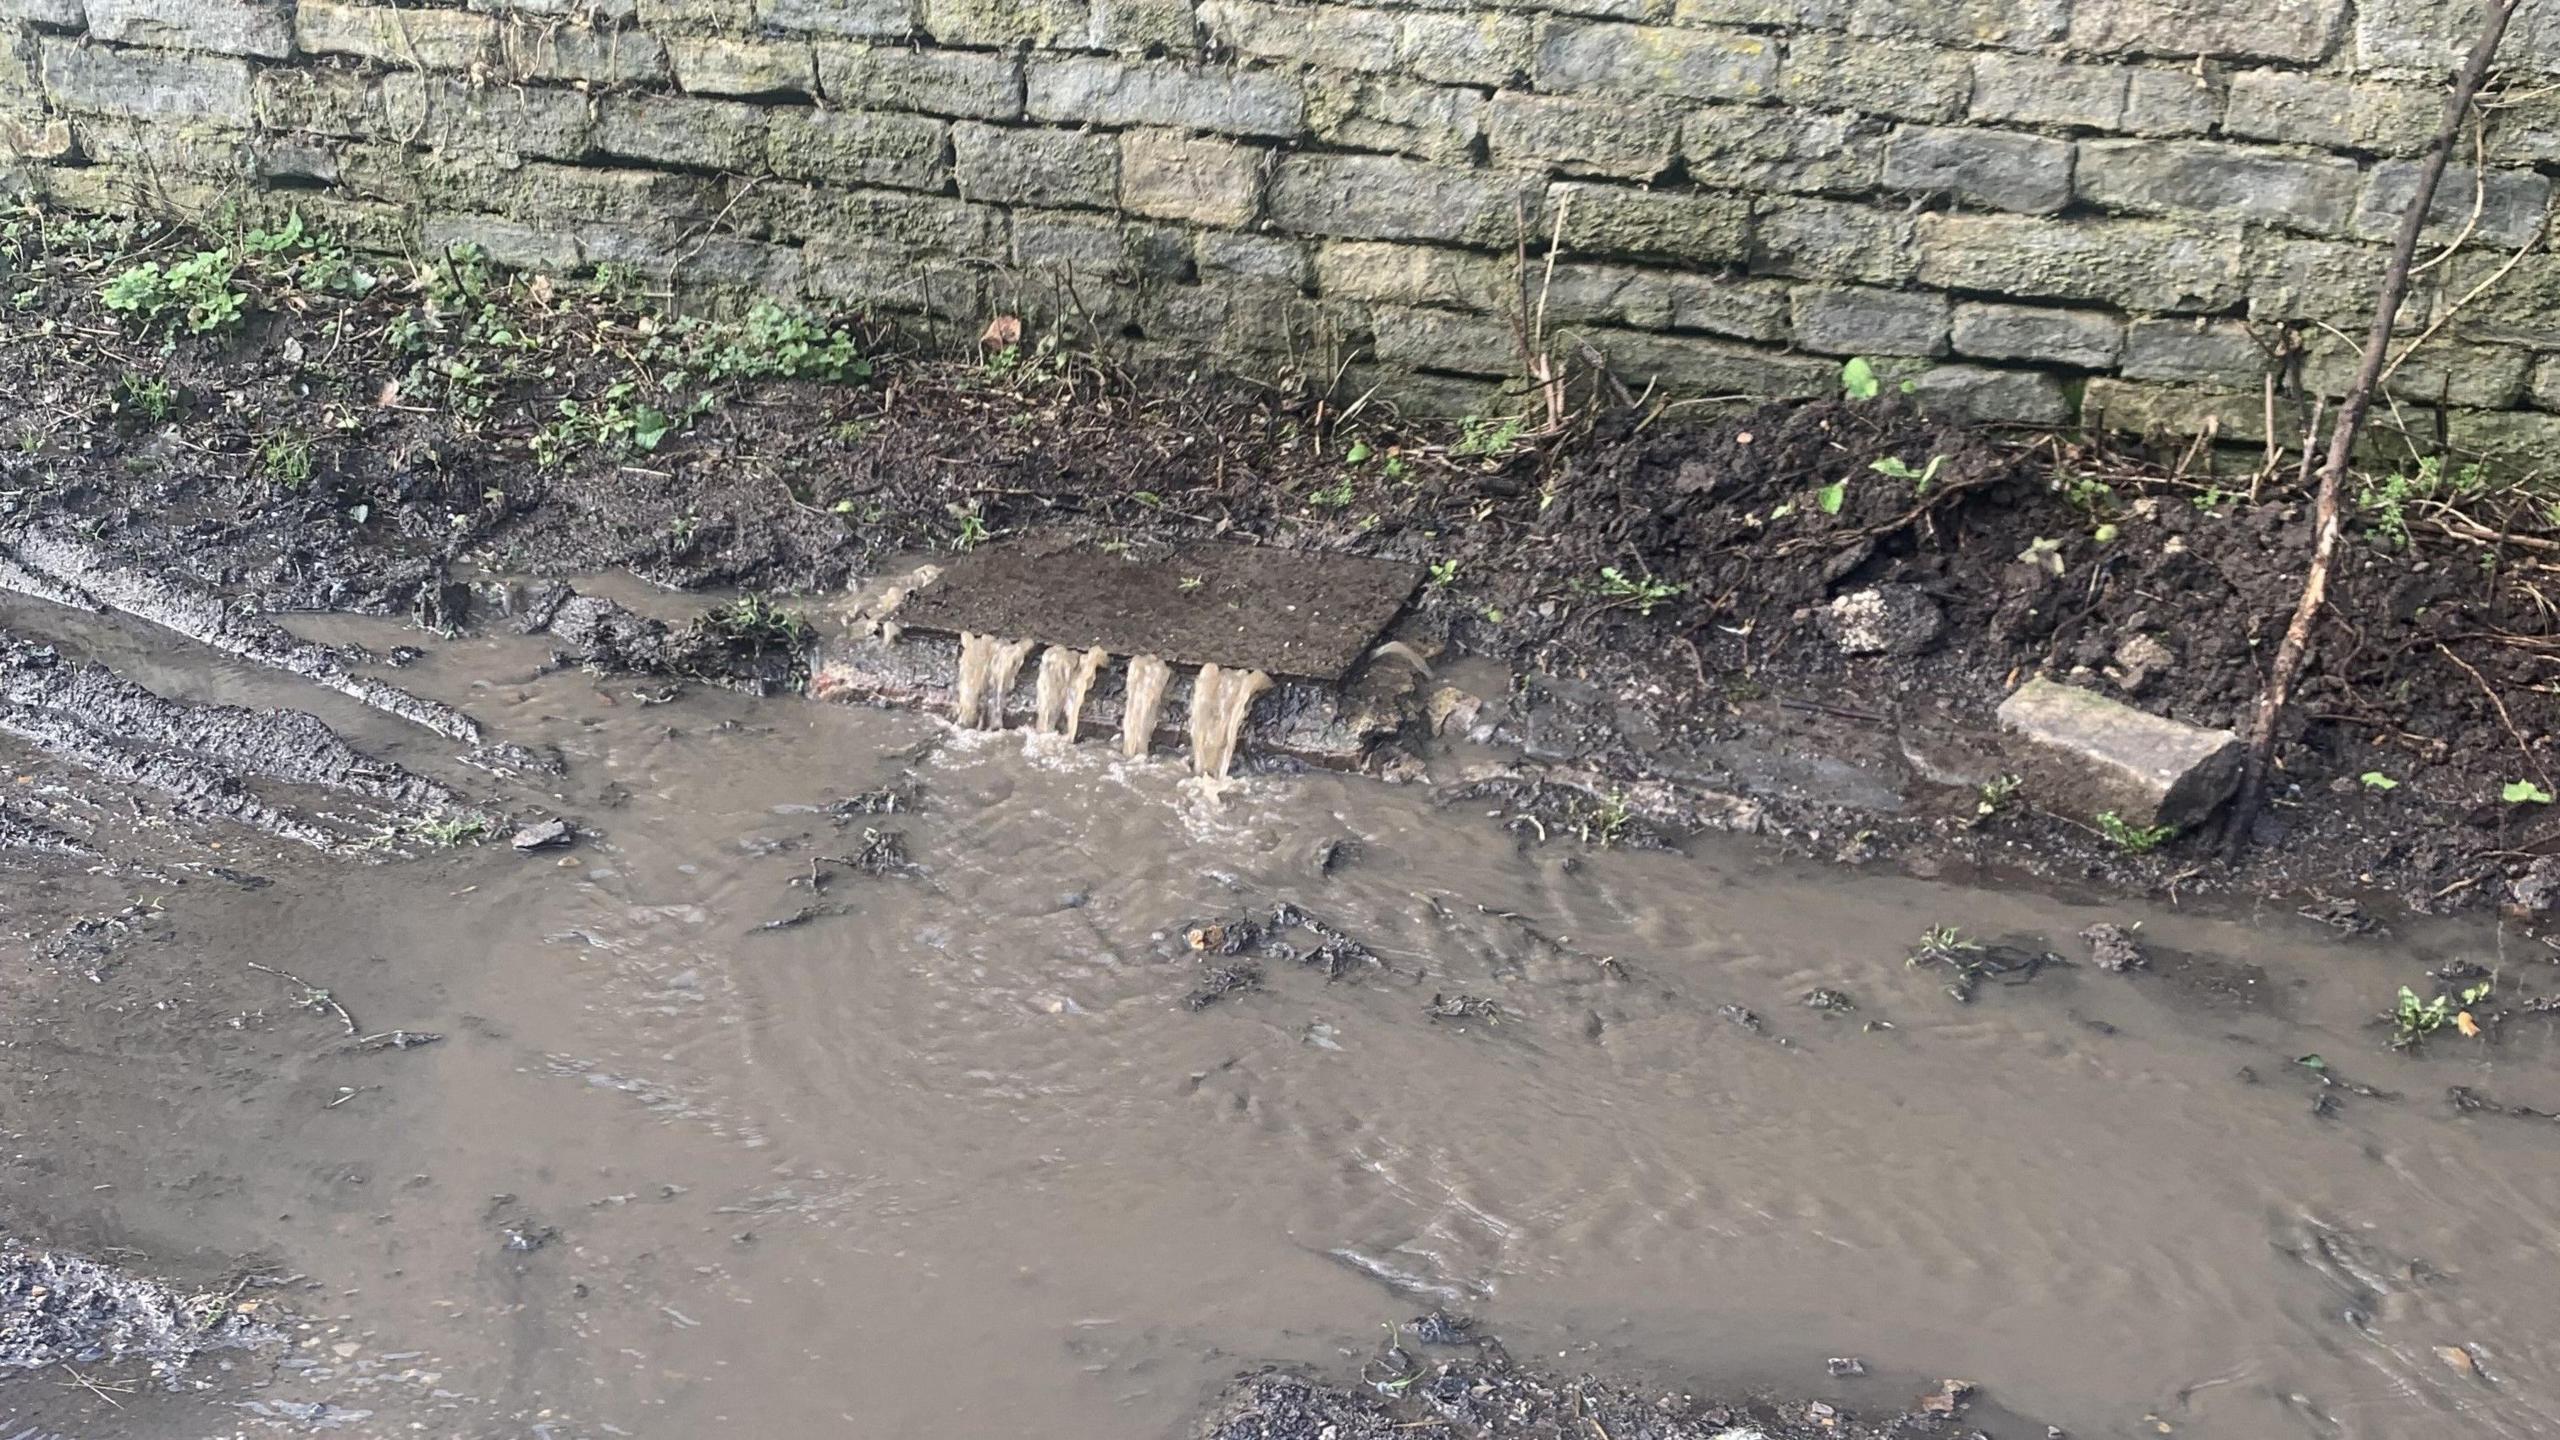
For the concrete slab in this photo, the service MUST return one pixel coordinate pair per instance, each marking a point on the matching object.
(2086, 754)
(1298, 614)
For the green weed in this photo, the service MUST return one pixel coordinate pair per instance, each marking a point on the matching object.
(2413, 1020)
(147, 397)
(973, 528)
(1480, 438)
(285, 460)
(198, 295)
(2133, 839)
(1644, 593)
(1335, 496)
(1442, 573)
(448, 831)
(1921, 479)
(2524, 792)
(1996, 795)
(758, 623)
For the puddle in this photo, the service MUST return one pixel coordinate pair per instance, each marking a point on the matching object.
(949, 1155)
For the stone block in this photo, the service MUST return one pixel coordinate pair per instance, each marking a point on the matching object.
(1379, 197)
(34, 138)
(588, 56)
(665, 17)
(2316, 193)
(1730, 305)
(2138, 265)
(1979, 395)
(1169, 175)
(1265, 258)
(315, 100)
(1164, 27)
(2503, 208)
(53, 14)
(1345, 36)
(2332, 280)
(1364, 112)
(145, 84)
(895, 278)
(610, 13)
(2484, 376)
(1854, 320)
(1700, 228)
(1831, 240)
(1998, 168)
(965, 84)
(2301, 31)
(1084, 90)
(2087, 754)
(1769, 14)
(1098, 247)
(263, 28)
(456, 116)
(1444, 340)
(1651, 60)
(517, 247)
(2522, 308)
(2031, 90)
(2148, 408)
(1903, 82)
(849, 19)
(1380, 273)
(1467, 48)
(1684, 365)
(588, 195)
(718, 65)
(2223, 353)
(1759, 148)
(682, 130)
(2517, 439)
(2010, 24)
(2088, 339)
(396, 35)
(2431, 37)
(2171, 102)
(812, 213)
(858, 147)
(1007, 24)
(2331, 111)
(1023, 166)
(1623, 138)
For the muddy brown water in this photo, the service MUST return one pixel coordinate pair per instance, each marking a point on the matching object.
(954, 1159)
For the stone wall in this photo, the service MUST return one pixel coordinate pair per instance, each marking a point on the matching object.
(2128, 210)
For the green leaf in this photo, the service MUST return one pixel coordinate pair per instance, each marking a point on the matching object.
(2312, 1062)
(649, 425)
(2104, 534)
(1358, 454)
(2376, 780)
(1832, 496)
(1858, 379)
(2519, 792)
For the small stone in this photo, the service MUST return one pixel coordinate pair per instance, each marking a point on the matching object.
(1845, 1365)
(548, 835)
(2113, 948)
(1884, 620)
(2140, 660)
(2537, 890)
(2088, 755)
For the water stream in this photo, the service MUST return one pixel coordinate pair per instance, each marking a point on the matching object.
(948, 1154)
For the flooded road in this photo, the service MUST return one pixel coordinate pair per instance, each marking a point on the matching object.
(948, 1153)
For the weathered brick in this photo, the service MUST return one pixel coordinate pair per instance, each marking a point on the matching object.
(2171, 102)
(1657, 60)
(581, 193)
(2491, 376)
(1467, 48)
(1624, 138)
(2518, 439)
(1375, 272)
(869, 217)
(1708, 229)
(2152, 177)
(1832, 72)
(1166, 27)
(230, 27)
(711, 65)
(2331, 112)
(2522, 306)
(2026, 90)
(1172, 176)
(2137, 264)
(967, 84)
(1791, 14)
(2087, 338)
(2297, 30)
(2226, 353)
(1445, 340)
(1983, 396)
(396, 35)
(1364, 112)
(2014, 24)
(1100, 246)
(2504, 208)
(1988, 167)
(1020, 166)
(504, 242)
(35, 138)
(2331, 280)
(683, 130)
(1752, 147)
(2543, 389)
(58, 14)
(1381, 198)
(852, 19)
(1853, 320)
(145, 84)
(896, 278)
(1267, 258)
(317, 101)
(454, 115)
(1001, 24)
(1090, 91)
(1728, 305)
(2432, 36)
(600, 12)
(1829, 240)
(1686, 365)
(166, 149)
(858, 147)
(1576, 293)
(1350, 37)
(690, 259)
(584, 54)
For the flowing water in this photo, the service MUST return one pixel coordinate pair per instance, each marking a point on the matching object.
(1220, 700)
(1147, 678)
(947, 1154)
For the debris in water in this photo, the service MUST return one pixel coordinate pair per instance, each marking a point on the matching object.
(396, 1040)
(525, 1237)
(1442, 1328)
(1147, 677)
(1267, 937)
(1332, 855)
(1463, 1007)
(1971, 960)
(67, 1309)
(800, 917)
(1831, 1000)
(886, 800)
(882, 852)
(1220, 981)
(550, 834)
(1950, 1397)
(1845, 1366)
(2113, 947)
(2459, 1359)
(2468, 1101)
(1741, 1016)
(1220, 699)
